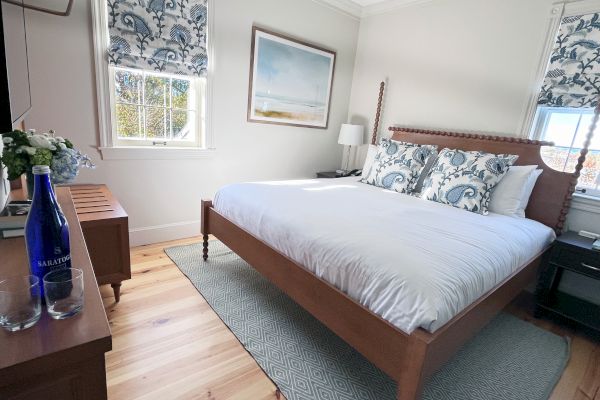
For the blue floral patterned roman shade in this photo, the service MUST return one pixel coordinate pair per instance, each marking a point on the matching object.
(573, 77)
(159, 35)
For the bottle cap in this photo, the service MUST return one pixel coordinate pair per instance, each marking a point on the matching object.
(40, 169)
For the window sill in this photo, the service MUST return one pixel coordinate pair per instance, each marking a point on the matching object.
(154, 153)
(587, 203)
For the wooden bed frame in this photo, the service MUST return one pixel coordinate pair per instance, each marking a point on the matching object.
(408, 359)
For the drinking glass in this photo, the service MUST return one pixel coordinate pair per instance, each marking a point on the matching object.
(63, 289)
(20, 302)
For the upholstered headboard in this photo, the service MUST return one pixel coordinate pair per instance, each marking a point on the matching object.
(549, 203)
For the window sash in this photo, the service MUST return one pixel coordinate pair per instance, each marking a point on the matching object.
(541, 122)
(198, 89)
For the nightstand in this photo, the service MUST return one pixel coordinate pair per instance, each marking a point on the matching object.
(573, 253)
(329, 174)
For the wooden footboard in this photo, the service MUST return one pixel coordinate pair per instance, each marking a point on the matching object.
(408, 359)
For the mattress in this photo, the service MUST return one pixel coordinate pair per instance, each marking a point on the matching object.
(413, 262)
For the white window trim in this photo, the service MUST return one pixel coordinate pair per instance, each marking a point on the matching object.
(108, 149)
(585, 202)
(558, 11)
(199, 109)
(538, 128)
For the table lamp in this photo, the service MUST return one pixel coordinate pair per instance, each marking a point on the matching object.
(350, 135)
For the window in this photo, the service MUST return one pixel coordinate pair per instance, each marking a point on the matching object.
(153, 78)
(568, 95)
(567, 128)
(156, 109)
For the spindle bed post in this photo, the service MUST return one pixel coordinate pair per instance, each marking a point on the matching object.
(206, 206)
(378, 113)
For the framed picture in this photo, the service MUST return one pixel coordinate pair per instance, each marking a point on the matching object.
(290, 81)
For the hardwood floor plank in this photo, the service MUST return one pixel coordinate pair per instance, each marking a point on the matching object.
(168, 343)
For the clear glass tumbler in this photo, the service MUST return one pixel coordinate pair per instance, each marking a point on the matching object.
(20, 302)
(63, 290)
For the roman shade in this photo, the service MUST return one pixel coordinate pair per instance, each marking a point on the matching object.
(573, 74)
(159, 35)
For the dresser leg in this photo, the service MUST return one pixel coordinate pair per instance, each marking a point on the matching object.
(116, 287)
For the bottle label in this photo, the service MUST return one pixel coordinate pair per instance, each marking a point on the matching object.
(60, 262)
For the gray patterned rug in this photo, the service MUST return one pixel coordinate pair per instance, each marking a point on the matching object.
(508, 360)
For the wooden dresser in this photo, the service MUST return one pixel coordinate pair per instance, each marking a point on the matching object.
(56, 360)
(105, 228)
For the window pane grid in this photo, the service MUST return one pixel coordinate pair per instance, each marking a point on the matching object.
(568, 128)
(157, 111)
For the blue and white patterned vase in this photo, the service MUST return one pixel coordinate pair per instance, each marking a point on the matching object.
(65, 166)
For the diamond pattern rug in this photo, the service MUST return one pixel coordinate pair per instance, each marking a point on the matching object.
(509, 359)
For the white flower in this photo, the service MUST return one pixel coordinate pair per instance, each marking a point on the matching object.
(7, 140)
(40, 141)
(60, 139)
(61, 145)
(27, 149)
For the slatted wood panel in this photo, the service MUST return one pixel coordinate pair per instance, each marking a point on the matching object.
(96, 200)
(168, 343)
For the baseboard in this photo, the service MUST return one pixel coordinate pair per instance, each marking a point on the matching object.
(163, 233)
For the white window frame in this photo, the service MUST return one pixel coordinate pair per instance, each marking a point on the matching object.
(543, 115)
(539, 127)
(556, 13)
(198, 87)
(526, 129)
(109, 147)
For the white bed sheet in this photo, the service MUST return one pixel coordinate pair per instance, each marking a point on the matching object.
(414, 262)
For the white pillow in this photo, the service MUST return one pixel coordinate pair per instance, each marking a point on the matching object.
(371, 153)
(527, 190)
(511, 195)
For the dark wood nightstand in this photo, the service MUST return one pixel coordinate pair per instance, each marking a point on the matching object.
(573, 253)
(329, 174)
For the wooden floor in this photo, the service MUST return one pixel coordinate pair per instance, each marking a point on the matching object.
(169, 344)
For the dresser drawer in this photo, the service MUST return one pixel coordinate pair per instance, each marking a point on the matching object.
(587, 263)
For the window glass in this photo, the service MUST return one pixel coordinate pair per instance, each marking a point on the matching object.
(155, 108)
(567, 128)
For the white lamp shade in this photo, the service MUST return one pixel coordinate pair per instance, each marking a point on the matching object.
(351, 135)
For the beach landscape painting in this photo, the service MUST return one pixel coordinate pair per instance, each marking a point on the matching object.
(290, 81)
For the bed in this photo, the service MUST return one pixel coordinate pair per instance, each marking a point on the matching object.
(318, 241)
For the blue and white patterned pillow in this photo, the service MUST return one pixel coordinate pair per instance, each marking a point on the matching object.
(465, 179)
(397, 165)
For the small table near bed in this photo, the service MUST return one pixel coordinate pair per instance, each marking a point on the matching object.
(404, 281)
(573, 253)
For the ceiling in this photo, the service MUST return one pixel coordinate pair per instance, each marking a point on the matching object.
(364, 3)
(365, 8)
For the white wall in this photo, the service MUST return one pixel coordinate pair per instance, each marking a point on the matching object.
(162, 197)
(457, 65)
(461, 64)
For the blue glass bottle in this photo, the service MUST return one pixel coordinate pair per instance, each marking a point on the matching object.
(46, 229)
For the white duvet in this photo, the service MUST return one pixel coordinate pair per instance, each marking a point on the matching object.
(414, 262)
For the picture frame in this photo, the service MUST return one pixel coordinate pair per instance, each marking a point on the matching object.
(290, 81)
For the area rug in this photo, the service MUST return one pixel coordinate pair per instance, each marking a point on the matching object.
(509, 359)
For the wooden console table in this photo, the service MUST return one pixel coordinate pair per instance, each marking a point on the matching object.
(56, 360)
(105, 228)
